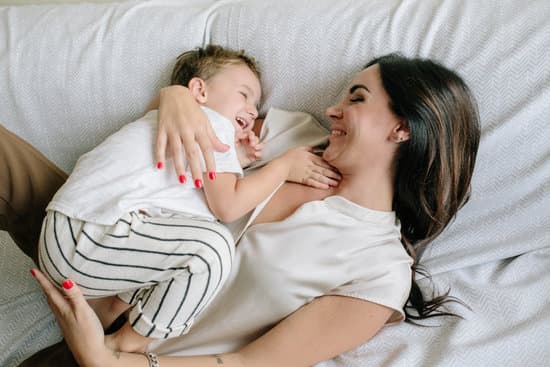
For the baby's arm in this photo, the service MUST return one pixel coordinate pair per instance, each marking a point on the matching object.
(229, 198)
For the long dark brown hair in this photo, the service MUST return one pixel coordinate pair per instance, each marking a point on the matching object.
(433, 169)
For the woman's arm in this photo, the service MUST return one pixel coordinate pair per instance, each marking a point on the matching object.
(322, 329)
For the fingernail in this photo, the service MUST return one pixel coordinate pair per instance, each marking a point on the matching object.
(33, 273)
(182, 178)
(67, 284)
(198, 183)
(159, 165)
(212, 176)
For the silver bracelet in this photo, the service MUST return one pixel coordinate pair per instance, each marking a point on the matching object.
(153, 359)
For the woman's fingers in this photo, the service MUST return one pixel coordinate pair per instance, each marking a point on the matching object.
(208, 142)
(193, 158)
(176, 150)
(78, 322)
(62, 302)
(182, 124)
(56, 300)
(160, 148)
(74, 295)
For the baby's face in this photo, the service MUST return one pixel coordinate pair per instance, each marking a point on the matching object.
(235, 93)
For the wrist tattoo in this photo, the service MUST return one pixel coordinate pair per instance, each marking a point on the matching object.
(219, 359)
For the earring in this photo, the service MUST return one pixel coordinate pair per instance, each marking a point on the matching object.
(397, 138)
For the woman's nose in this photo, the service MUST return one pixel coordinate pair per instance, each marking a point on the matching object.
(334, 112)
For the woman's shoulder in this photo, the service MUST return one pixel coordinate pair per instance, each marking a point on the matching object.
(289, 198)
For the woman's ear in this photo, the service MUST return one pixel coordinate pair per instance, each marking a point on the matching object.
(401, 132)
(197, 87)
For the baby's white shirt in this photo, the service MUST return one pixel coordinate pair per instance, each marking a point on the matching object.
(120, 176)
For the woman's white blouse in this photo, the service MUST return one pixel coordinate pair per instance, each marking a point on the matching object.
(328, 247)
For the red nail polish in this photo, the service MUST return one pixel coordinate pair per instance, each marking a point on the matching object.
(67, 284)
(33, 273)
(182, 178)
(198, 183)
(159, 165)
(212, 176)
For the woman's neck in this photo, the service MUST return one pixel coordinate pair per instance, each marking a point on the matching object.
(371, 188)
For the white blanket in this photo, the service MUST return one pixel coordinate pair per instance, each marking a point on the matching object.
(72, 74)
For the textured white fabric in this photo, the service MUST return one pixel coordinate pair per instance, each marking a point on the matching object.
(73, 74)
(67, 93)
(331, 246)
(120, 176)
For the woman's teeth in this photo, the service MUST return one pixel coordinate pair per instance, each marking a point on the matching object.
(337, 133)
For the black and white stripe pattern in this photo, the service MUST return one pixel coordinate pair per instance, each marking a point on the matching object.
(169, 269)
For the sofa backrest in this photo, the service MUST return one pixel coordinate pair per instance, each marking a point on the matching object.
(72, 74)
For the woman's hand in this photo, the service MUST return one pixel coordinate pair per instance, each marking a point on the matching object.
(78, 322)
(309, 169)
(182, 122)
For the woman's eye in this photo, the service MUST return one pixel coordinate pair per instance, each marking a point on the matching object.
(244, 94)
(356, 99)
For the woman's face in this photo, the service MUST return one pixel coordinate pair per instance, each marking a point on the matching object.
(363, 127)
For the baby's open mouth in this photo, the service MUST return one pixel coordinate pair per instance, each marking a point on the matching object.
(242, 122)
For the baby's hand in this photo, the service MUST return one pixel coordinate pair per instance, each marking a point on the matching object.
(249, 149)
(309, 169)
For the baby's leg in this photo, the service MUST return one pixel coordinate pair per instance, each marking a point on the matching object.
(177, 264)
(194, 259)
(108, 309)
(187, 265)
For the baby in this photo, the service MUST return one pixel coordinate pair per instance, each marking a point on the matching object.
(139, 238)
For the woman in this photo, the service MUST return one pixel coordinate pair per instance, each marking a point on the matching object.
(405, 140)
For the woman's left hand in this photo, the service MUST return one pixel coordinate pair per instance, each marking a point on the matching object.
(78, 322)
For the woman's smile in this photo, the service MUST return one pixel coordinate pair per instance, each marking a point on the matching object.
(337, 132)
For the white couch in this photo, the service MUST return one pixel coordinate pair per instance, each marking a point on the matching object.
(72, 74)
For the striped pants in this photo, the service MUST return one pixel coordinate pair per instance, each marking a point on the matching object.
(167, 269)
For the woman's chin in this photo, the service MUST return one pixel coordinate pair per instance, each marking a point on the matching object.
(329, 156)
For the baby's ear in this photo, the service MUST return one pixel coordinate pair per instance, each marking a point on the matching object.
(197, 87)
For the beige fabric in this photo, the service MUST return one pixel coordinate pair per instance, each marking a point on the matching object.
(28, 182)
